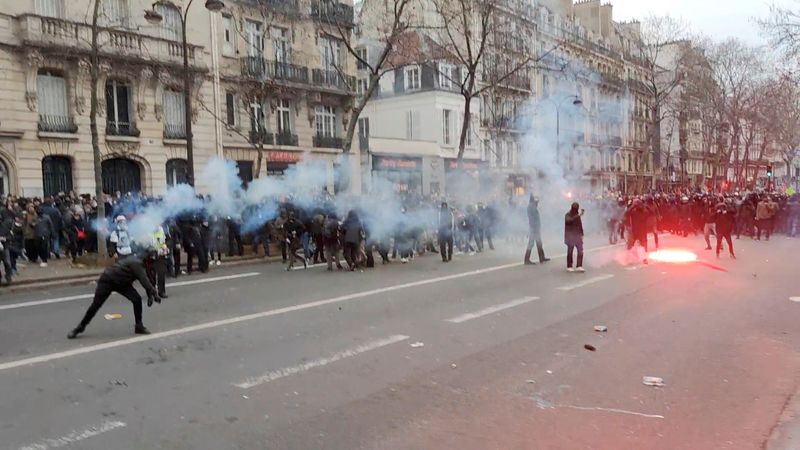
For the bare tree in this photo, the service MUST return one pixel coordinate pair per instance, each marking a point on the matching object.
(659, 46)
(387, 26)
(782, 28)
(474, 32)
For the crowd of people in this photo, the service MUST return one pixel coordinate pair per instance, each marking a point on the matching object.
(319, 231)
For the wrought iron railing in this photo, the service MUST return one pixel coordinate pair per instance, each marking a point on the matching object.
(57, 124)
(174, 131)
(122, 129)
(286, 139)
(262, 69)
(327, 141)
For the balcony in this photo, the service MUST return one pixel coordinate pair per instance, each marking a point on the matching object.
(332, 12)
(327, 141)
(261, 137)
(285, 138)
(67, 36)
(264, 69)
(174, 131)
(122, 129)
(57, 124)
(615, 141)
(333, 79)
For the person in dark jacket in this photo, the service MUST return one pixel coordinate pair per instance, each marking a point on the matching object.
(573, 236)
(447, 228)
(76, 235)
(6, 238)
(534, 232)
(294, 233)
(50, 210)
(43, 233)
(353, 234)
(488, 216)
(317, 224)
(725, 218)
(330, 237)
(636, 219)
(119, 278)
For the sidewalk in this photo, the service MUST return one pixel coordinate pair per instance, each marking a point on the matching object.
(63, 272)
(786, 434)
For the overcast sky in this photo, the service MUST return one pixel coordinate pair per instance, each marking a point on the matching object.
(718, 19)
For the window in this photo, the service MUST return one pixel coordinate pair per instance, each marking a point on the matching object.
(56, 174)
(228, 38)
(330, 53)
(363, 127)
(52, 102)
(362, 85)
(230, 109)
(257, 116)
(284, 117)
(177, 172)
(114, 13)
(412, 78)
(325, 121)
(446, 76)
(174, 114)
(281, 45)
(118, 120)
(362, 55)
(245, 169)
(121, 175)
(447, 120)
(255, 39)
(50, 8)
(171, 22)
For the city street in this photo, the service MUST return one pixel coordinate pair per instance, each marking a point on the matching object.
(255, 357)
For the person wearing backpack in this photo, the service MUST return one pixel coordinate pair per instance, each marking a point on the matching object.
(330, 238)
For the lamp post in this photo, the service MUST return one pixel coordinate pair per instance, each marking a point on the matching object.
(576, 101)
(154, 17)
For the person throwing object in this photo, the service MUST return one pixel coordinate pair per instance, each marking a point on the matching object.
(119, 278)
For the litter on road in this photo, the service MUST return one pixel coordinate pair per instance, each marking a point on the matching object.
(453, 365)
(590, 347)
(795, 299)
(600, 328)
(113, 316)
(653, 381)
(417, 345)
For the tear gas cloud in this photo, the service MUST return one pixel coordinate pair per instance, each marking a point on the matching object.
(554, 159)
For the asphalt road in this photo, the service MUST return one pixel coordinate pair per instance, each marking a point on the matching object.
(253, 357)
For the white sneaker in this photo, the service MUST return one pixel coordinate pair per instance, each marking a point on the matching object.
(219, 263)
(44, 264)
(404, 260)
(580, 269)
(570, 269)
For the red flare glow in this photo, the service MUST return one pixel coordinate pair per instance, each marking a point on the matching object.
(674, 256)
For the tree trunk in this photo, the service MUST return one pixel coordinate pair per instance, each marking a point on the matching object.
(94, 75)
(355, 113)
(187, 102)
(259, 159)
(467, 93)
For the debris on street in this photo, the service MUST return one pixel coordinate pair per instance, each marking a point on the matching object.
(600, 328)
(590, 347)
(653, 381)
(113, 316)
(417, 345)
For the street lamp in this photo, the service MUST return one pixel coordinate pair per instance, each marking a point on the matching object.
(576, 101)
(154, 17)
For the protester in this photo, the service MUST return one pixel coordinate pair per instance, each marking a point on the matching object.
(573, 237)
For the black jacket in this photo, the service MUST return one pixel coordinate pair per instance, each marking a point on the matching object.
(573, 229)
(124, 272)
(534, 221)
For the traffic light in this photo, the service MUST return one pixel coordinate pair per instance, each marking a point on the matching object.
(769, 171)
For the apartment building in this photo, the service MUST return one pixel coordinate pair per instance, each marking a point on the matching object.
(45, 143)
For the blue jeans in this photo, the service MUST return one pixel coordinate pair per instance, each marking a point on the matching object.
(55, 245)
(305, 241)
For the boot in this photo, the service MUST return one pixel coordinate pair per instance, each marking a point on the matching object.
(140, 329)
(528, 261)
(75, 332)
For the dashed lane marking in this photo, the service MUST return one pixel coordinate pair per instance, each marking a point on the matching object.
(491, 310)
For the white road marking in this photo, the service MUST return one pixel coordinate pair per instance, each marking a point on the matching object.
(84, 296)
(586, 282)
(491, 310)
(75, 436)
(300, 368)
(259, 315)
(614, 410)
(795, 299)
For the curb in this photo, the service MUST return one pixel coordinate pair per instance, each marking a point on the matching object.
(75, 280)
